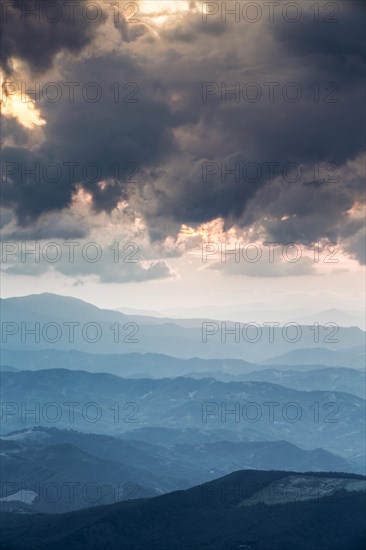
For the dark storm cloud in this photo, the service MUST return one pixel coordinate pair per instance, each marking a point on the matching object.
(356, 246)
(170, 133)
(10, 127)
(115, 140)
(50, 226)
(35, 34)
(314, 131)
(340, 40)
(314, 211)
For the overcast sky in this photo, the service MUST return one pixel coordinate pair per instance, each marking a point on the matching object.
(192, 138)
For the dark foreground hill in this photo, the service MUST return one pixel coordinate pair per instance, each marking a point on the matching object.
(251, 510)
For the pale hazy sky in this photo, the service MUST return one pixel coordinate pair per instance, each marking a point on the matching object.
(197, 287)
(179, 161)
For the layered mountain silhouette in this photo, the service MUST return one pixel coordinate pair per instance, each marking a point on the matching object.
(65, 322)
(246, 509)
(66, 470)
(149, 437)
(112, 405)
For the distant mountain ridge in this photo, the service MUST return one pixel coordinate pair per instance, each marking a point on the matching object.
(119, 333)
(130, 467)
(256, 312)
(353, 357)
(135, 365)
(331, 378)
(331, 420)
